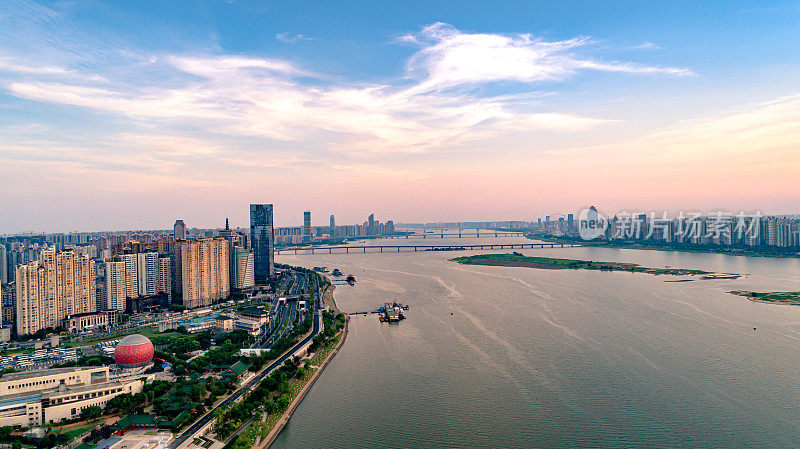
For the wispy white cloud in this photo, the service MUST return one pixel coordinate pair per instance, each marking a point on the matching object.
(290, 38)
(280, 102)
(645, 46)
(263, 98)
(450, 58)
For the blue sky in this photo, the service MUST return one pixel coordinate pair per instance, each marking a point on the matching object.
(119, 115)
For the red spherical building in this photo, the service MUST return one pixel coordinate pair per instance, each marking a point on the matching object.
(133, 351)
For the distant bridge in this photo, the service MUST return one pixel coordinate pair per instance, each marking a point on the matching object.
(459, 234)
(413, 248)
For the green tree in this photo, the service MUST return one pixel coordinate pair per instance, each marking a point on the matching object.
(92, 412)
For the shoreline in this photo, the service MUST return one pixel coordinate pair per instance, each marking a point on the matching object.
(550, 263)
(778, 298)
(287, 414)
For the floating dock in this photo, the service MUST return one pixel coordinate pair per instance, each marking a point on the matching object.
(392, 312)
(389, 312)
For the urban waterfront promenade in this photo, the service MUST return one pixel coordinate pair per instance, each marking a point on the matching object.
(201, 423)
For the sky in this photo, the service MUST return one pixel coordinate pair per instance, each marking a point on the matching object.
(129, 115)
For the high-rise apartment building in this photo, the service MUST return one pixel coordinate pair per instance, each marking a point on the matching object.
(205, 276)
(164, 277)
(262, 241)
(115, 286)
(179, 230)
(9, 314)
(130, 262)
(3, 265)
(242, 268)
(135, 275)
(307, 226)
(57, 285)
(332, 231)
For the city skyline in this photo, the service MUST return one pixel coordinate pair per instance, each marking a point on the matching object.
(428, 112)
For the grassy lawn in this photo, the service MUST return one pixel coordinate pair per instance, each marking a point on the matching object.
(323, 353)
(7, 352)
(74, 432)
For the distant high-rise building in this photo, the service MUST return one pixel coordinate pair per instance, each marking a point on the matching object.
(4, 263)
(307, 226)
(164, 276)
(570, 221)
(9, 314)
(371, 224)
(147, 273)
(131, 274)
(592, 214)
(179, 230)
(55, 286)
(332, 231)
(262, 241)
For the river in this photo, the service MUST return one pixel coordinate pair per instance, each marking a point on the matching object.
(521, 357)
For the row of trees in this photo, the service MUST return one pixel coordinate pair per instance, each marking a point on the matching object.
(128, 403)
(270, 396)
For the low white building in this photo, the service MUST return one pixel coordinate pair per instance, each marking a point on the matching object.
(47, 396)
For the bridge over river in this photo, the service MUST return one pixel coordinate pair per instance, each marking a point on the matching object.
(460, 234)
(347, 249)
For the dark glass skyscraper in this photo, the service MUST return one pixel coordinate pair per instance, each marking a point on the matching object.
(307, 226)
(262, 238)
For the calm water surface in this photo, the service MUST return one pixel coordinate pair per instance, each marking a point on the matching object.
(519, 357)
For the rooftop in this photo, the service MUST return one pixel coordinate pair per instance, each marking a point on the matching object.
(79, 315)
(45, 372)
(253, 311)
(62, 390)
(137, 420)
(237, 368)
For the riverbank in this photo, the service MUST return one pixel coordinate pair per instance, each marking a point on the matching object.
(327, 353)
(260, 433)
(786, 298)
(549, 263)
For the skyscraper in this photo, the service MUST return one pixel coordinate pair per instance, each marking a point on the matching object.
(332, 231)
(371, 224)
(262, 238)
(307, 226)
(179, 230)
